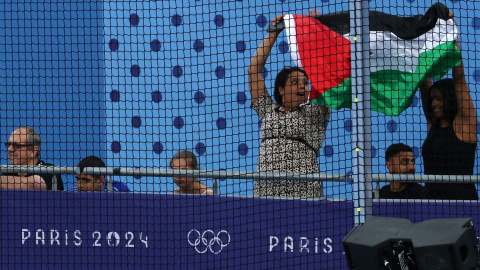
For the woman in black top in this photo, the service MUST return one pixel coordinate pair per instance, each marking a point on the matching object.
(450, 146)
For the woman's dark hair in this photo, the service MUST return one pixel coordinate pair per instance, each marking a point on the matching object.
(281, 81)
(450, 108)
(188, 156)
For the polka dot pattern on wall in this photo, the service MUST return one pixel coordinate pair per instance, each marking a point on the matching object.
(116, 147)
(177, 71)
(221, 123)
(261, 21)
(176, 20)
(178, 122)
(155, 45)
(218, 20)
(392, 126)
(243, 149)
(199, 97)
(135, 71)
(476, 75)
(157, 96)
(158, 148)
(198, 46)
(373, 151)
(265, 72)
(200, 148)
(134, 19)
(241, 98)
(416, 152)
(136, 121)
(347, 125)
(283, 47)
(114, 95)
(241, 46)
(328, 151)
(476, 23)
(220, 72)
(113, 45)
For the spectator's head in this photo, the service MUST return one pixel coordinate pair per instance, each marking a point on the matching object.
(23, 146)
(291, 87)
(443, 101)
(400, 159)
(184, 160)
(90, 182)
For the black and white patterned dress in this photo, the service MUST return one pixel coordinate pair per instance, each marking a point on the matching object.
(279, 154)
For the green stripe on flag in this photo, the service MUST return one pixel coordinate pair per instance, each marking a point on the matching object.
(392, 90)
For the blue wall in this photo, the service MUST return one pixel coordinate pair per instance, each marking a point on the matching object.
(155, 77)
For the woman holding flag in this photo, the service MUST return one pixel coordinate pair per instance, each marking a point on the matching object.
(292, 130)
(451, 143)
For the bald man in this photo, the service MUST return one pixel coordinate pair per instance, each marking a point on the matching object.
(23, 148)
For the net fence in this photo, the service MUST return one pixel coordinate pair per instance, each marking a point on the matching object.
(297, 127)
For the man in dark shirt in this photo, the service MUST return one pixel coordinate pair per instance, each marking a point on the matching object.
(23, 148)
(401, 160)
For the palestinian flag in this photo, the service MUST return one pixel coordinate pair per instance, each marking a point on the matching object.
(403, 52)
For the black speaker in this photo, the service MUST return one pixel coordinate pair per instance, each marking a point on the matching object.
(395, 243)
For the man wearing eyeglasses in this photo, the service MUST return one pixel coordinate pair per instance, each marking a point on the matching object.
(23, 148)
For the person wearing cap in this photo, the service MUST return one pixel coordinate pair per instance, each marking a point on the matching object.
(95, 182)
(401, 160)
(23, 148)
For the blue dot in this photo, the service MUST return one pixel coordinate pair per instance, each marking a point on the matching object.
(198, 45)
(113, 45)
(416, 100)
(136, 121)
(221, 123)
(283, 47)
(264, 72)
(220, 72)
(199, 97)
(155, 45)
(158, 148)
(476, 23)
(243, 149)
(349, 175)
(373, 151)
(416, 152)
(241, 98)
(261, 21)
(176, 20)
(476, 75)
(241, 46)
(116, 147)
(177, 71)
(178, 122)
(134, 19)
(392, 126)
(325, 1)
(411, 1)
(200, 148)
(219, 20)
(135, 70)
(348, 125)
(156, 96)
(328, 151)
(114, 95)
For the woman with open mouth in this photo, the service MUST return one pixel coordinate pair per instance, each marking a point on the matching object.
(292, 129)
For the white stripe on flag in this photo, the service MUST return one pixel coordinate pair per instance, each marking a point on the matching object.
(292, 39)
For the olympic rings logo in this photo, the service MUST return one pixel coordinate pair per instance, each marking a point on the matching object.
(208, 240)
